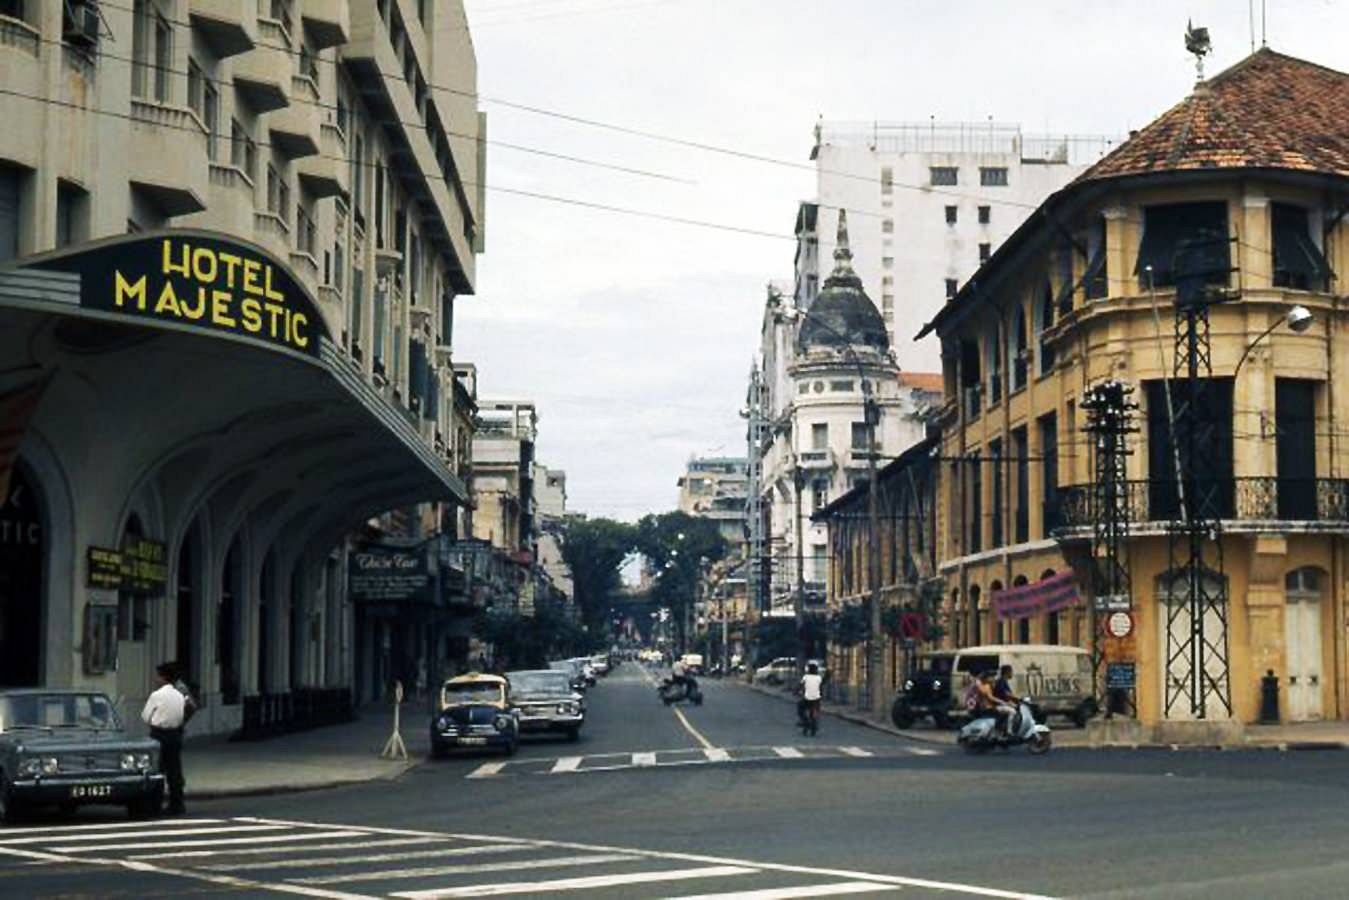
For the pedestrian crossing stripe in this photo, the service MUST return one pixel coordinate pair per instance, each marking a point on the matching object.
(612, 762)
(328, 860)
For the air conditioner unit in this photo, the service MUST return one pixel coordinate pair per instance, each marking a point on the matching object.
(82, 24)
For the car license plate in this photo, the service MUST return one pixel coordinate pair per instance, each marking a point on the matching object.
(473, 741)
(83, 791)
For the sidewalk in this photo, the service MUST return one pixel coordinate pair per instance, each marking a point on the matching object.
(306, 760)
(1327, 735)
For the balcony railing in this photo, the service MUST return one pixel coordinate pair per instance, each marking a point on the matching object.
(1257, 498)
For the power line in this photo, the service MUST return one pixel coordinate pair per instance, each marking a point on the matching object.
(537, 195)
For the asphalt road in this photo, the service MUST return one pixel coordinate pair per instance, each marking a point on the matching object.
(729, 800)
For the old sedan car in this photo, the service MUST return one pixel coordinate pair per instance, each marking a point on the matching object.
(547, 702)
(68, 749)
(475, 711)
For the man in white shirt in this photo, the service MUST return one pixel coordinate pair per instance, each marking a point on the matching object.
(164, 713)
(811, 683)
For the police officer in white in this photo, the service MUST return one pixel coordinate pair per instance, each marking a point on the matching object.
(165, 713)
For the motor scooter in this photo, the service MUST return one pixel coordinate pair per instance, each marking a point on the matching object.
(670, 692)
(982, 734)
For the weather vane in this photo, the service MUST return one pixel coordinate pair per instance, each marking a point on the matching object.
(1197, 42)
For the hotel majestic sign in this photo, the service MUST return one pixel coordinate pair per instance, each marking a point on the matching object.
(198, 280)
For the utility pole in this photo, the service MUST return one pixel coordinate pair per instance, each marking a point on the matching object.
(799, 600)
(754, 413)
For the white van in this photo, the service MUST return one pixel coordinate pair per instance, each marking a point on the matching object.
(1058, 679)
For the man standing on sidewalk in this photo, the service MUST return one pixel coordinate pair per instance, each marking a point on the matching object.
(164, 713)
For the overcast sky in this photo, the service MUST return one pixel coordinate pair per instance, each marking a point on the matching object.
(635, 335)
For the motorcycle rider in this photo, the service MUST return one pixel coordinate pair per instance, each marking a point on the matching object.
(811, 695)
(988, 702)
(679, 676)
(1002, 692)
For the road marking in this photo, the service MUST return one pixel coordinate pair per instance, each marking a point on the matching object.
(308, 848)
(809, 890)
(922, 751)
(567, 764)
(856, 751)
(107, 826)
(717, 754)
(643, 759)
(688, 726)
(788, 752)
(557, 862)
(159, 845)
(487, 770)
(124, 833)
(310, 861)
(576, 884)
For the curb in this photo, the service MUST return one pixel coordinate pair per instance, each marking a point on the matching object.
(269, 790)
(1280, 746)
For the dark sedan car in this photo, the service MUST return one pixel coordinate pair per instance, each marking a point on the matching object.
(68, 749)
(474, 711)
(547, 702)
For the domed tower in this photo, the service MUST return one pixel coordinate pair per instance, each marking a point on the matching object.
(843, 315)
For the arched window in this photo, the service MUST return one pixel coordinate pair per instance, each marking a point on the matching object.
(994, 368)
(992, 633)
(1017, 348)
(1022, 625)
(1044, 322)
(1052, 630)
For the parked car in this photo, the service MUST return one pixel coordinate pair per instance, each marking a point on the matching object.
(778, 671)
(600, 663)
(475, 711)
(574, 672)
(69, 749)
(547, 702)
(1058, 678)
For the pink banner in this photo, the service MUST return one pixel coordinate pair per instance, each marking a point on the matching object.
(1049, 595)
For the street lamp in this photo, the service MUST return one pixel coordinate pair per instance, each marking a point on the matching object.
(1298, 319)
(871, 413)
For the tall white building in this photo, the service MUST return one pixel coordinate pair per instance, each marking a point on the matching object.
(815, 372)
(927, 204)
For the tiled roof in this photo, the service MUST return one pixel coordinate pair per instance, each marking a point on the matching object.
(1267, 111)
(923, 381)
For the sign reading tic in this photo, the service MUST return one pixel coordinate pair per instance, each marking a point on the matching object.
(199, 280)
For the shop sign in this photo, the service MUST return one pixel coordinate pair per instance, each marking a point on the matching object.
(385, 575)
(199, 280)
(138, 568)
(1121, 676)
(144, 570)
(1048, 595)
(104, 569)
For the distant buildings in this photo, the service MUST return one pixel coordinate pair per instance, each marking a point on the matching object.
(715, 487)
(928, 203)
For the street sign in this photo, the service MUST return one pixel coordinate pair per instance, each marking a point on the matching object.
(1113, 602)
(1121, 676)
(911, 625)
(1119, 624)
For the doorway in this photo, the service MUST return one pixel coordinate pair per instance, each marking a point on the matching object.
(1302, 643)
(23, 549)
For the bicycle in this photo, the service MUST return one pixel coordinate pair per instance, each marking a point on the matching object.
(808, 717)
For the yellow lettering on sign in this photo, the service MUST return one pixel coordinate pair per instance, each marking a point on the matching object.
(220, 309)
(251, 312)
(251, 270)
(134, 290)
(271, 294)
(204, 266)
(231, 262)
(171, 267)
(168, 301)
(194, 312)
(298, 322)
(273, 310)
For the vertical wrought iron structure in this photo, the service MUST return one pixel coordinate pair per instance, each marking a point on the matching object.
(1197, 672)
(754, 501)
(1109, 410)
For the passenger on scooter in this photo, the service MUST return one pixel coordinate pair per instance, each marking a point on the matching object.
(990, 704)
